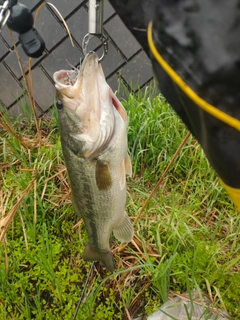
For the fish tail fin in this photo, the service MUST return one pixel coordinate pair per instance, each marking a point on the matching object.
(106, 257)
(124, 232)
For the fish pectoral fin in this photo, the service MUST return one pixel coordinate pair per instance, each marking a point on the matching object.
(124, 232)
(103, 175)
(128, 165)
(106, 257)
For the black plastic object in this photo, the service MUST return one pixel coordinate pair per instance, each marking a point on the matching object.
(199, 40)
(32, 43)
(12, 3)
(136, 16)
(20, 19)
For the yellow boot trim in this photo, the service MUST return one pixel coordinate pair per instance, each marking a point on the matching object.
(234, 194)
(220, 115)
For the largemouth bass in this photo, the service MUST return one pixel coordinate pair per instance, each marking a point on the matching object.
(93, 130)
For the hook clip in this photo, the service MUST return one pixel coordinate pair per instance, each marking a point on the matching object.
(102, 38)
(95, 27)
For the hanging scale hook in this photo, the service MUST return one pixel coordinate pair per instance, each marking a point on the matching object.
(95, 27)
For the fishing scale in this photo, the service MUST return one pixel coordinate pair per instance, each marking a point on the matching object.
(95, 26)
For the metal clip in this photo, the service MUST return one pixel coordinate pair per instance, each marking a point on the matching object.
(102, 38)
(4, 14)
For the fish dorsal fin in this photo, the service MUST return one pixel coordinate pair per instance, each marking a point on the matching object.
(128, 165)
(103, 175)
(124, 231)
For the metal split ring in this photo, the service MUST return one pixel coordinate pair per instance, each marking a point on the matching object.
(102, 38)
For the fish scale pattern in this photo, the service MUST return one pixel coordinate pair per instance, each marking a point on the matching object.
(125, 59)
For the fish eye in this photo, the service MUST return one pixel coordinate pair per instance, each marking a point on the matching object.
(59, 105)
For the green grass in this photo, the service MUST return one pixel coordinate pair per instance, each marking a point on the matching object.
(186, 238)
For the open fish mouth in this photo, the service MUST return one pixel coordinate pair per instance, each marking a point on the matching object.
(69, 82)
(68, 77)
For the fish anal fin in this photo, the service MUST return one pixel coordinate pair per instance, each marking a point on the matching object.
(106, 257)
(124, 232)
(103, 176)
(128, 165)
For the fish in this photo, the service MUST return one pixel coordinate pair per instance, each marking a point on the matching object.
(93, 132)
